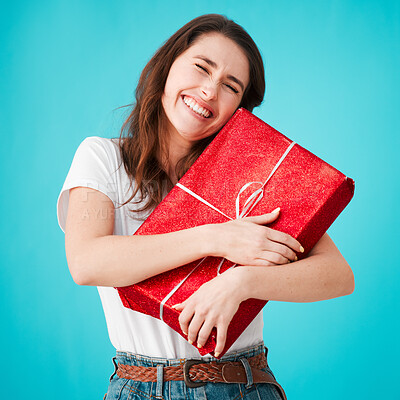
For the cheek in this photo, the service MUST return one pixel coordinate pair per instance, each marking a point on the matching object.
(230, 104)
(171, 83)
(180, 78)
(167, 89)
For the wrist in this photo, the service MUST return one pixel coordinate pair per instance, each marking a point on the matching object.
(239, 280)
(210, 240)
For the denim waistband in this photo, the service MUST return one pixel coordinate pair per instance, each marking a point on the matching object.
(145, 361)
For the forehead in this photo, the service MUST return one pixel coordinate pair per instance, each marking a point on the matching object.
(228, 55)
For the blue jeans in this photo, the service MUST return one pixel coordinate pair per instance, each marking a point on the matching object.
(124, 389)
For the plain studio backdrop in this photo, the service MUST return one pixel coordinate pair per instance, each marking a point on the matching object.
(332, 72)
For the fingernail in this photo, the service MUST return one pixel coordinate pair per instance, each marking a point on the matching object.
(199, 346)
(301, 249)
(190, 341)
(184, 333)
(276, 210)
(216, 354)
(295, 258)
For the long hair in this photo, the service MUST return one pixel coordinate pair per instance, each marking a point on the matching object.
(142, 138)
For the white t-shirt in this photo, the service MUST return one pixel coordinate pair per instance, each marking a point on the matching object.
(96, 165)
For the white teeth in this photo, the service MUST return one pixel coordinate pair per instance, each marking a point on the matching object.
(196, 107)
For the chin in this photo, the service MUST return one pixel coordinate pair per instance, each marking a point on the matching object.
(193, 135)
(194, 138)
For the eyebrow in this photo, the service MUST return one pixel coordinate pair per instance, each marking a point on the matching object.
(214, 65)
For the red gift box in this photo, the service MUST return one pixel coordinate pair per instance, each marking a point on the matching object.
(249, 169)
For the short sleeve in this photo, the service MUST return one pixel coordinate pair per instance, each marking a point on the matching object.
(94, 166)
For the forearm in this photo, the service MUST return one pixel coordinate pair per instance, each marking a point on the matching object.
(124, 260)
(317, 277)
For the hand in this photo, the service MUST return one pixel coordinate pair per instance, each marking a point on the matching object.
(247, 241)
(212, 305)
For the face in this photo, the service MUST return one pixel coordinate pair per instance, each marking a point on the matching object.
(204, 87)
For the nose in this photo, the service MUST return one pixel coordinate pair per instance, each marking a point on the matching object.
(209, 90)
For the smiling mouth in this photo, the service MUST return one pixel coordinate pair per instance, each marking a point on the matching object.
(196, 107)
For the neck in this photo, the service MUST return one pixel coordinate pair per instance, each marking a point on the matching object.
(176, 150)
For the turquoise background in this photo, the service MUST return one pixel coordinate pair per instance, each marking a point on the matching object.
(332, 71)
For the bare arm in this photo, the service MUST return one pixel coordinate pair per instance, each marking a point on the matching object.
(97, 257)
(323, 275)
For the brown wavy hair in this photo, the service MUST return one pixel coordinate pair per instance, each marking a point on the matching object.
(142, 140)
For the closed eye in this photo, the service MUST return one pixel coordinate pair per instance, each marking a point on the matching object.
(199, 66)
(232, 88)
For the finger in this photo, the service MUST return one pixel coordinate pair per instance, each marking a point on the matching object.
(204, 333)
(221, 339)
(178, 307)
(264, 219)
(184, 319)
(280, 248)
(194, 327)
(260, 262)
(275, 258)
(285, 239)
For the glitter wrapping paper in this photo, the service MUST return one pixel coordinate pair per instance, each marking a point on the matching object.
(310, 193)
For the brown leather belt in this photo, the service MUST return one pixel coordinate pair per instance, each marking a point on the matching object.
(205, 372)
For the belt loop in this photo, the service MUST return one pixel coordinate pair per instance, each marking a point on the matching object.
(266, 355)
(115, 368)
(159, 387)
(247, 368)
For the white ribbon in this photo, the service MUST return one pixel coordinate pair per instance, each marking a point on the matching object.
(248, 206)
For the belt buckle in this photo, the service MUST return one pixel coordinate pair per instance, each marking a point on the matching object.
(186, 378)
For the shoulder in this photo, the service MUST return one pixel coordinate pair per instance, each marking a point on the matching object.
(97, 142)
(100, 149)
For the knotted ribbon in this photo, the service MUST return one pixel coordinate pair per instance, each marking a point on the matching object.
(248, 206)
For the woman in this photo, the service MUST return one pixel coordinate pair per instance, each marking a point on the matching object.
(186, 93)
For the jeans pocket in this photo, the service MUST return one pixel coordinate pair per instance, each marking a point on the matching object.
(264, 391)
(277, 393)
(116, 388)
